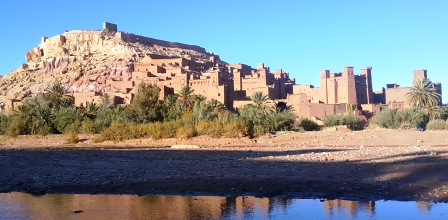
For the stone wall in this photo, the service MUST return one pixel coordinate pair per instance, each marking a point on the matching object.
(133, 38)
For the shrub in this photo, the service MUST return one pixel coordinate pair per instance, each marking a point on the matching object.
(4, 120)
(64, 117)
(280, 121)
(308, 125)
(411, 117)
(88, 127)
(351, 121)
(116, 132)
(259, 130)
(16, 126)
(235, 128)
(186, 131)
(211, 128)
(437, 124)
(155, 130)
(388, 119)
(72, 138)
(73, 128)
(170, 128)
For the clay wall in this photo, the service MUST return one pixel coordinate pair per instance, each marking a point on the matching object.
(119, 98)
(219, 93)
(379, 96)
(11, 104)
(81, 98)
(121, 86)
(132, 38)
(397, 105)
(374, 108)
(397, 94)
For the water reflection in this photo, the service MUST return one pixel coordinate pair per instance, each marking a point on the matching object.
(25, 206)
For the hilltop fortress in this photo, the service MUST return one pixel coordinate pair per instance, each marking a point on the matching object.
(92, 63)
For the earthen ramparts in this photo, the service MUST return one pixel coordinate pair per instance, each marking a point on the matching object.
(133, 38)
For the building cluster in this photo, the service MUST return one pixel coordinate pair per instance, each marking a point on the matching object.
(233, 84)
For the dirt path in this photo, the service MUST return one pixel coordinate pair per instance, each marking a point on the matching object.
(366, 165)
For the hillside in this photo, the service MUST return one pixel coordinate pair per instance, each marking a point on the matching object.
(82, 60)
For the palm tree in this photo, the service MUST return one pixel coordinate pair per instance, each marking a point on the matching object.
(185, 96)
(106, 101)
(434, 112)
(216, 105)
(260, 101)
(423, 94)
(90, 110)
(57, 94)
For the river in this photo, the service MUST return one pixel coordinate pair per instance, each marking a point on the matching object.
(83, 206)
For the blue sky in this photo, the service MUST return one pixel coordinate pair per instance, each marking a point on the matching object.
(301, 37)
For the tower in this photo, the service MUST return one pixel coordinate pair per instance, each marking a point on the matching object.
(419, 75)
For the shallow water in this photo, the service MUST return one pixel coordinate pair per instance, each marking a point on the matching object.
(75, 206)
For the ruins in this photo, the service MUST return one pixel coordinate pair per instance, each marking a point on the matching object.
(207, 75)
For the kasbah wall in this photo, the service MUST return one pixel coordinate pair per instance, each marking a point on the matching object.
(233, 84)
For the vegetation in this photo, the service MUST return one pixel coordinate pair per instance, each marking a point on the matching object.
(437, 124)
(308, 125)
(350, 120)
(183, 115)
(423, 94)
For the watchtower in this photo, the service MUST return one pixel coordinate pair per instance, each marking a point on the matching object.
(109, 27)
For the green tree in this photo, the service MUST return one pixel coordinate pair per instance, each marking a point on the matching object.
(185, 97)
(146, 106)
(260, 102)
(423, 94)
(106, 101)
(171, 111)
(58, 96)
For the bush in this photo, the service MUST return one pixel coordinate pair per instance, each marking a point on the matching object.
(308, 125)
(351, 121)
(186, 131)
(155, 130)
(88, 127)
(72, 128)
(4, 121)
(16, 126)
(170, 128)
(412, 117)
(211, 128)
(72, 138)
(388, 119)
(234, 129)
(259, 130)
(119, 132)
(437, 124)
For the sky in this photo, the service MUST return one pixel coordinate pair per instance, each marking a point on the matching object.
(394, 37)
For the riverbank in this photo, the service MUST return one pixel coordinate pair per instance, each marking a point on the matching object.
(362, 165)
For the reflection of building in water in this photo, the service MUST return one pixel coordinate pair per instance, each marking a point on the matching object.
(145, 207)
(352, 207)
(424, 207)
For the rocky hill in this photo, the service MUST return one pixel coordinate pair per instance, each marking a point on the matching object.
(82, 60)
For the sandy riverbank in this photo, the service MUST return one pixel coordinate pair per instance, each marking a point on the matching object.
(366, 165)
